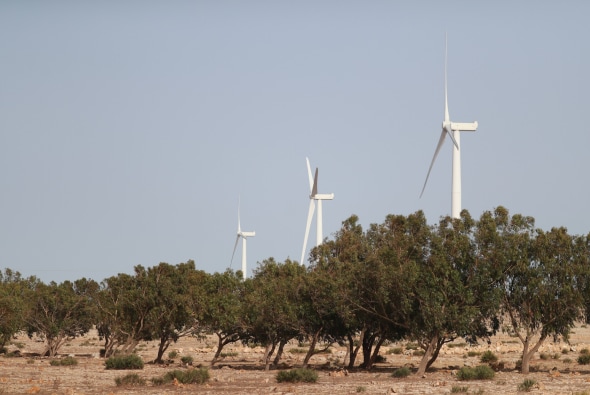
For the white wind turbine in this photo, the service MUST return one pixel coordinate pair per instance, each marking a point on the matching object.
(452, 129)
(313, 187)
(244, 235)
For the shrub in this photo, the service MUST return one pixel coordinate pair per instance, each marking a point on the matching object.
(584, 351)
(130, 379)
(67, 361)
(488, 357)
(396, 351)
(190, 376)
(124, 362)
(481, 372)
(584, 359)
(526, 385)
(187, 360)
(473, 353)
(360, 388)
(401, 372)
(172, 354)
(297, 375)
(229, 354)
(380, 359)
(544, 356)
(459, 390)
(418, 353)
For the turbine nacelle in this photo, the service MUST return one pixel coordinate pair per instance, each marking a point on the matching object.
(464, 126)
(323, 196)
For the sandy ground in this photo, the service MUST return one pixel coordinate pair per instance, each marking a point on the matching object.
(241, 372)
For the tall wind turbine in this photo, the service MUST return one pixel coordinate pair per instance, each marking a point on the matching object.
(244, 235)
(452, 129)
(314, 195)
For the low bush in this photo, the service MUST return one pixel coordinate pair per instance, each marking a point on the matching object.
(401, 372)
(526, 386)
(297, 375)
(481, 372)
(67, 361)
(187, 360)
(395, 350)
(172, 354)
(584, 359)
(190, 376)
(459, 390)
(130, 379)
(124, 362)
(488, 357)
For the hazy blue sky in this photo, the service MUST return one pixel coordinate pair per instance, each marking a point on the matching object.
(129, 129)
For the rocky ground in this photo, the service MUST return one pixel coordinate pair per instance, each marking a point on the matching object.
(554, 369)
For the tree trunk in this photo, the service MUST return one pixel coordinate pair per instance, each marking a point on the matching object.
(279, 352)
(376, 352)
(527, 354)
(269, 350)
(164, 344)
(367, 345)
(220, 345)
(353, 351)
(311, 350)
(427, 356)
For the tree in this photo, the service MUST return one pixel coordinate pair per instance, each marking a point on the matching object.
(14, 297)
(332, 284)
(61, 312)
(274, 308)
(124, 304)
(171, 317)
(452, 293)
(220, 307)
(539, 276)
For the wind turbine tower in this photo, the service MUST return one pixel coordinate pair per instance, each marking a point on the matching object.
(452, 129)
(244, 235)
(313, 197)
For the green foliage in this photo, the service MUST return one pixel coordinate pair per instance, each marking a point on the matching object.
(131, 379)
(67, 361)
(584, 359)
(527, 385)
(186, 359)
(297, 375)
(229, 354)
(401, 372)
(488, 357)
(124, 362)
(459, 390)
(190, 376)
(473, 353)
(584, 351)
(481, 372)
(395, 350)
(172, 354)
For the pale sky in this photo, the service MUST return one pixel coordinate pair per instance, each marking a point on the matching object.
(130, 129)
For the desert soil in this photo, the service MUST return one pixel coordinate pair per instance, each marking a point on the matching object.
(554, 369)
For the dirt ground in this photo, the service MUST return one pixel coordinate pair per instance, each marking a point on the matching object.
(554, 369)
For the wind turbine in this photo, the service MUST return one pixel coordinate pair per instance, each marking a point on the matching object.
(244, 235)
(313, 187)
(452, 129)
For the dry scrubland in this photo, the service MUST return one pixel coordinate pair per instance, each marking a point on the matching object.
(240, 371)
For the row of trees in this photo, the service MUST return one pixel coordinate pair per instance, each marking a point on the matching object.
(401, 279)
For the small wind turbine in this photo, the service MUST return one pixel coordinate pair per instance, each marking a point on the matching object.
(452, 129)
(244, 235)
(313, 187)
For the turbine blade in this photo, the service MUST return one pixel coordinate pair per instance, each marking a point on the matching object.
(447, 118)
(309, 175)
(235, 246)
(441, 141)
(450, 133)
(307, 226)
(314, 190)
